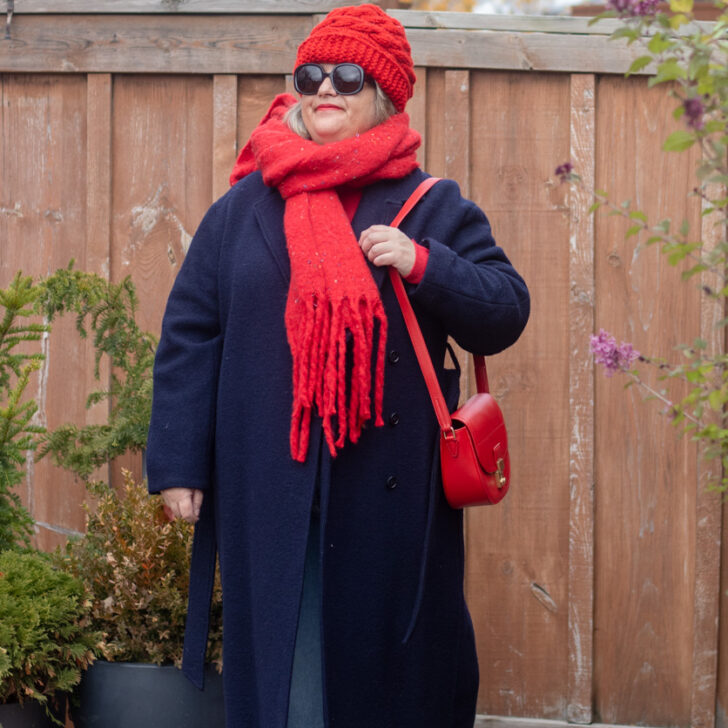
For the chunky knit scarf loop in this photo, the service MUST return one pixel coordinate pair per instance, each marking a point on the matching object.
(332, 291)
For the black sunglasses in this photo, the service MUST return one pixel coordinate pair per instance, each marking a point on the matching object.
(346, 78)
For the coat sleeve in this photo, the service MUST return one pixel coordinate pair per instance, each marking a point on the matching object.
(469, 284)
(181, 431)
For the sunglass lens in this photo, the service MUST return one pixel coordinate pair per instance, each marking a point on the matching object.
(308, 78)
(348, 78)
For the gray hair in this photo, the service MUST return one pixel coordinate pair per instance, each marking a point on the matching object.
(383, 109)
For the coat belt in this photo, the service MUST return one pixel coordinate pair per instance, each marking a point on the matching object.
(202, 581)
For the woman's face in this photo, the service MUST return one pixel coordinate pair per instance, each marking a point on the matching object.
(331, 117)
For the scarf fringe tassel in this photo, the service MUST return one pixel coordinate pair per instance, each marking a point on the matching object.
(320, 370)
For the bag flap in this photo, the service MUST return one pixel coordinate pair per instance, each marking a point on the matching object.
(484, 420)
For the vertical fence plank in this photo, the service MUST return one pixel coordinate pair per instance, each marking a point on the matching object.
(457, 167)
(224, 131)
(417, 110)
(457, 128)
(644, 471)
(161, 186)
(98, 221)
(707, 518)
(581, 404)
(518, 552)
(42, 223)
(255, 94)
(434, 122)
(98, 172)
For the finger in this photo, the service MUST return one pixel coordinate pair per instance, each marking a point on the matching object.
(170, 504)
(197, 496)
(366, 240)
(386, 257)
(172, 498)
(376, 251)
(375, 234)
(186, 510)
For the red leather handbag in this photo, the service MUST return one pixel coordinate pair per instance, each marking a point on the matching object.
(474, 458)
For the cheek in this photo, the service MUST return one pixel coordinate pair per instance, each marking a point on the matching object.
(306, 105)
(365, 115)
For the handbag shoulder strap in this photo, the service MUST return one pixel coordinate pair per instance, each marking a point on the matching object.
(418, 342)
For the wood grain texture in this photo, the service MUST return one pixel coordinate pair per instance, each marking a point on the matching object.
(510, 50)
(162, 187)
(183, 6)
(560, 24)
(721, 703)
(266, 44)
(160, 198)
(645, 473)
(435, 125)
(417, 110)
(224, 131)
(581, 404)
(439, 20)
(707, 546)
(456, 120)
(98, 172)
(255, 94)
(42, 223)
(98, 223)
(517, 565)
(153, 44)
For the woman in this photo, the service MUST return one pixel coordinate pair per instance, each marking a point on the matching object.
(290, 417)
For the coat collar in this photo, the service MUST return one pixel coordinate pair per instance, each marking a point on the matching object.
(379, 204)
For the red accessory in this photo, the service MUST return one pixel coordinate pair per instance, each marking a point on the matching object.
(473, 440)
(366, 35)
(332, 291)
(422, 255)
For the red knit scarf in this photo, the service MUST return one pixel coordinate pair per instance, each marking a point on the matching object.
(332, 291)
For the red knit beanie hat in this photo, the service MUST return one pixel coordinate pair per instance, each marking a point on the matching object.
(366, 35)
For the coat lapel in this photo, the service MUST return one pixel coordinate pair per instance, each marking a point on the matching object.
(269, 212)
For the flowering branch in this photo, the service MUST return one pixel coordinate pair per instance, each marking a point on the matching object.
(693, 59)
(620, 358)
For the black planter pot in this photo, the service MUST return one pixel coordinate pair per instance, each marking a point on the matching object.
(31, 714)
(139, 695)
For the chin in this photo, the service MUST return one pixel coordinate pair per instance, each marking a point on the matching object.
(328, 137)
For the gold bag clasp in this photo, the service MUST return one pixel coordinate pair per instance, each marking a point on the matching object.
(500, 474)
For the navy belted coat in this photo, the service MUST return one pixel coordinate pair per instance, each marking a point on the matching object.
(398, 644)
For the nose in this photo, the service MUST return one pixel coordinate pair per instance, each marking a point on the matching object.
(326, 88)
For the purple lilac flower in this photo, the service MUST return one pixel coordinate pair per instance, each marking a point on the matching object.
(564, 170)
(612, 357)
(645, 7)
(694, 111)
(633, 8)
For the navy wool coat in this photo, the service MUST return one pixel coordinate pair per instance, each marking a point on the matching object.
(398, 644)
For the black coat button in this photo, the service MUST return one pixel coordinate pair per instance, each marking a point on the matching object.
(394, 356)
(392, 482)
(394, 419)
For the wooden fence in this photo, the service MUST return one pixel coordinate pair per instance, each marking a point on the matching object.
(596, 587)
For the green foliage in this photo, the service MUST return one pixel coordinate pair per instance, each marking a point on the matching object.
(135, 564)
(45, 634)
(107, 312)
(692, 58)
(17, 432)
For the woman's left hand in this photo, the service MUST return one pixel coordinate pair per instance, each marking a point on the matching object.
(385, 245)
